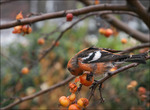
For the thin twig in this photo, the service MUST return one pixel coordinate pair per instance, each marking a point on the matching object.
(144, 45)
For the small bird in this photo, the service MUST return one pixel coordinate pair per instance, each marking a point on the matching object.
(100, 60)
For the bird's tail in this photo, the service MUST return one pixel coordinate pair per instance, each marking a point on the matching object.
(139, 58)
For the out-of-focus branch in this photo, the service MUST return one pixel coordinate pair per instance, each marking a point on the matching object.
(20, 100)
(137, 7)
(6, 1)
(145, 45)
(10, 61)
(124, 27)
(59, 14)
(120, 12)
(111, 74)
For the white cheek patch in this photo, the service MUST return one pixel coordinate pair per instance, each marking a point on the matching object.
(96, 56)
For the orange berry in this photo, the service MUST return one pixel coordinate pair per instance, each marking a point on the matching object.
(74, 107)
(130, 87)
(17, 30)
(76, 80)
(64, 101)
(41, 41)
(72, 97)
(84, 81)
(83, 102)
(102, 30)
(73, 87)
(97, 2)
(113, 69)
(108, 32)
(69, 17)
(26, 29)
(29, 30)
(56, 44)
(134, 83)
(148, 104)
(25, 70)
(141, 90)
(19, 16)
(123, 41)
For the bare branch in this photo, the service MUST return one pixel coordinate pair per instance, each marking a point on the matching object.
(59, 14)
(137, 7)
(124, 27)
(136, 47)
(6, 1)
(38, 93)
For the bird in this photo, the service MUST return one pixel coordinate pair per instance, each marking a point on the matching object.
(100, 60)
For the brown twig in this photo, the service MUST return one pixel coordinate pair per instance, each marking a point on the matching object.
(136, 47)
(121, 12)
(59, 14)
(6, 1)
(38, 93)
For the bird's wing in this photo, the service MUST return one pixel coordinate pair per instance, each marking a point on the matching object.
(96, 55)
(112, 50)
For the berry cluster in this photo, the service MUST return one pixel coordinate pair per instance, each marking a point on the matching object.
(141, 91)
(71, 100)
(25, 29)
(106, 32)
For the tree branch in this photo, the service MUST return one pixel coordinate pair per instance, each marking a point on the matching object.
(38, 93)
(59, 14)
(124, 27)
(6, 1)
(138, 8)
(136, 47)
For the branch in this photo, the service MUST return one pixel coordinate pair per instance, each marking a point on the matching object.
(59, 14)
(136, 47)
(121, 12)
(138, 8)
(113, 73)
(38, 93)
(124, 27)
(6, 1)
